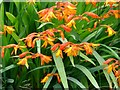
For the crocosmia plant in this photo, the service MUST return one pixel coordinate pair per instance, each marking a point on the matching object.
(60, 45)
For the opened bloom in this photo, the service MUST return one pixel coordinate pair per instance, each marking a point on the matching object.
(48, 40)
(73, 50)
(59, 53)
(16, 47)
(23, 62)
(91, 1)
(47, 14)
(29, 39)
(48, 75)
(45, 59)
(109, 30)
(8, 29)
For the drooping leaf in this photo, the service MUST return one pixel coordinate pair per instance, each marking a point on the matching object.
(88, 74)
(43, 24)
(76, 82)
(61, 69)
(86, 57)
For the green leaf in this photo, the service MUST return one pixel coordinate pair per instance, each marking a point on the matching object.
(43, 24)
(61, 70)
(88, 74)
(10, 17)
(38, 46)
(72, 60)
(41, 67)
(89, 37)
(57, 86)
(97, 68)
(10, 80)
(7, 68)
(112, 51)
(76, 82)
(86, 58)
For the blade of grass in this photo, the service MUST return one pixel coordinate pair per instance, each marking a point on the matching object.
(112, 51)
(88, 74)
(61, 69)
(7, 68)
(76, 82)
(86, 58)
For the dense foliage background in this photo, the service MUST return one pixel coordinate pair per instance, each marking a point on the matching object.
(86, 69)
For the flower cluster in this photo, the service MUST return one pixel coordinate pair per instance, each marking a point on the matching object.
(72, 49)
(47, 36)
(25, 57)
(113, 65)
(67, 11)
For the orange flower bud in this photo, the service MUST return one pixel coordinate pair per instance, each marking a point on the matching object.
(109, 60)
(67, 29)
(55, 46)
(23, 54)
(91, 14)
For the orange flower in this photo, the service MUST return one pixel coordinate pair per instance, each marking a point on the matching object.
(67, 19)
(95, 24)
(23, 62)
(59, 53)
(48, 40)
(59, 14)
(64, 45)
(66, 9)
(72, 51)
(48, 75)
(61, 34)
(109, 60)
(110, 67)
(46, 14)
(44, 80)
(24, 54)
(2, 52)
(55, 46)
(85, 18)
(8, 29)
(71, 23)
(91, 14)
(45, 59)
(87, 48)
(116, 13)
(16, 47)
(92, 1)
(29, 39)
(109, 30)
(11, 46)
(66, 28)
(110, 2)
